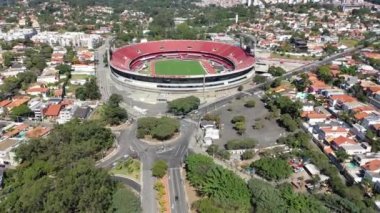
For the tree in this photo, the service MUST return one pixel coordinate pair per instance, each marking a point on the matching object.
(8, 58)
(259, 79)
(272, 168)
(247, 155)
(159, 168)
(182, 106)
(20, 111)
(303, 83)
(276, 71)
(64, 68)
(324, 74)
(341, 155)
(288, 122)
(55, 168)
(159, 128)
(217, 183)
(265, 197)
(125, 201)
(89, 90)
(250, 104)
(112, 113)
(329, 49)
(276, 82)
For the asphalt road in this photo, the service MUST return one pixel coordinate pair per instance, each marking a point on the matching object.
(131, 183)
(102, 70)
(174, 153)
(177, 191)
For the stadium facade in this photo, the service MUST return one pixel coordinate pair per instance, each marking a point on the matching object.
(224, 66)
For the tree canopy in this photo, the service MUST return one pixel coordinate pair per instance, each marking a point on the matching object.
(159, 128)
(112, 113)
(219, 184)
(182, 106)
(55, 168)
(89, 90)
(160, 168)
(272, 168)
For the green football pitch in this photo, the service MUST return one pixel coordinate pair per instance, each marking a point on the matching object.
(178, 67)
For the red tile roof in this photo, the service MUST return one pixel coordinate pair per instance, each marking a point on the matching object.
(18, 101)
(372, 165)
(16, 130)
(37, 132)
(343, 98)
(361, 115)
(314, 115)
(342, 140)
(5, 103)
(53, 110)
(38, 89)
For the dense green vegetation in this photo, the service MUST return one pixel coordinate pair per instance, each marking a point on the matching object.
(89, 91)
(160, 167)
(288, 122)
(215, 151)
(56, 168)
(112, 113)
(276, 71)
(266, 198)
(324, 74)
(225, 189)
(124, 196)
(239, 124)
(20, 112)
(245, 143)
(182, 106)
(159, 128)
(283, 105)
(11, 85)
(272, 168)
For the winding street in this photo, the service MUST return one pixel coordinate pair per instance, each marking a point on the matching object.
(174, 153)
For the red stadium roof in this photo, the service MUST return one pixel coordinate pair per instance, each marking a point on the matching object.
(122, 58)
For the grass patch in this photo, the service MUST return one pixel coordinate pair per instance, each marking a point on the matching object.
(349, 42)
(97, 114)
(130, 168)
(178, 67)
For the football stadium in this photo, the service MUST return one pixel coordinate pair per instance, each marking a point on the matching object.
(182, 65)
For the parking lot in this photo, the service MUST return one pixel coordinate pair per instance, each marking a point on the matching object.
(265, 136)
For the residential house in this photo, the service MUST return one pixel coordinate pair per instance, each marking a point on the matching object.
(52, 112)
(371, 120)
(328, 133)
(38, 132)
(38, 90)
(314, 117)
(17, 101)
(337, 101)
(6, 153)
(37, 107)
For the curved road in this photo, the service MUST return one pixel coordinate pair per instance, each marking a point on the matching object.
(129, 182)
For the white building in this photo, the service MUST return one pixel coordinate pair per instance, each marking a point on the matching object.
(74, 39)
(6, 147)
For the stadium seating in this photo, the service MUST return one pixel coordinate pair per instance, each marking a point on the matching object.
(133, 56)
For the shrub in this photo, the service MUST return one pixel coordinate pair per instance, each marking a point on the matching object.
(159, 169)
(250, 104)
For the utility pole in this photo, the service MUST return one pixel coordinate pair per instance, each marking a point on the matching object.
(204, 86)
